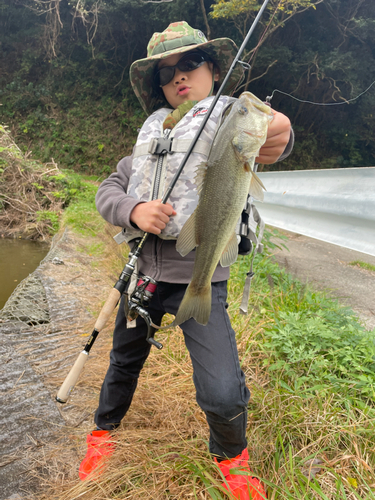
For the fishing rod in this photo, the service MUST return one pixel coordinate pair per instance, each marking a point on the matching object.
(146, 286)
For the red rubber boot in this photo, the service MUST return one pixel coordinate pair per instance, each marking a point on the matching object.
(99, 446)
(241, 487)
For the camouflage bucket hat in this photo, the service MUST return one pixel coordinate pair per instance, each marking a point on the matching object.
(177, 38)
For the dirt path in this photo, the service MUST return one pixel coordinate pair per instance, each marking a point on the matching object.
(326, 267)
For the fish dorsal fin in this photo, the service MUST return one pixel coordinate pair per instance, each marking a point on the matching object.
(230, 254)
(256, 187)
(200, 175)
(186, 241)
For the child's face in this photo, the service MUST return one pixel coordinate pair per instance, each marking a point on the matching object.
(187, 85)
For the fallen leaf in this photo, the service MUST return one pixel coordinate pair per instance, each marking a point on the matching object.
(309, 469)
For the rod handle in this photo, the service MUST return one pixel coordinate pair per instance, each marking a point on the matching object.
(107, 309)
(72, 377)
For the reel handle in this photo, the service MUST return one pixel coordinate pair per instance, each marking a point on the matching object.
(154, 342)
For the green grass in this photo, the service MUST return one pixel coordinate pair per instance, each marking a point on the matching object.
(309, 363)
(75, 136)
(316, 395)
(81, 214)
(363, 265)
(311, 342)
(83, 217)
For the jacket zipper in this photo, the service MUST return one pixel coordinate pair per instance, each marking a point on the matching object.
(155, 192)
(159, 166)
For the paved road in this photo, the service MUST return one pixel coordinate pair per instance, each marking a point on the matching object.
(326, 266)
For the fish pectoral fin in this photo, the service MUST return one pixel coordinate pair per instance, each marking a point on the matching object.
(200, 175)
(247, 167)
(230, 253)
(186, 241)
(256, 187)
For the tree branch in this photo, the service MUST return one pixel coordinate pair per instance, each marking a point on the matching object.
(208, 29)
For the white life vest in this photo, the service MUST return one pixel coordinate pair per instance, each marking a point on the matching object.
(147, 183)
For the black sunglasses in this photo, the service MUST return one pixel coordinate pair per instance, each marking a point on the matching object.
(189, 62)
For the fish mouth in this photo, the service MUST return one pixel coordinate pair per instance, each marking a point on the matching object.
(251, 134)
(182, 90)
(247, 133)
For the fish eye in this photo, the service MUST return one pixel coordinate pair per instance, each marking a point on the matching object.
(243, 110)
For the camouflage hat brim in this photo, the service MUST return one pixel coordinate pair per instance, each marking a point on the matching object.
(221, 50)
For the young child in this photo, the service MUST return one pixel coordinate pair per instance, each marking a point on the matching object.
(180, 73)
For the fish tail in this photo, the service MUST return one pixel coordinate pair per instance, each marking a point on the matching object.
(196, 304)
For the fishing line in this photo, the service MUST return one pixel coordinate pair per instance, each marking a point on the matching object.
(347, 101)
(247, 66)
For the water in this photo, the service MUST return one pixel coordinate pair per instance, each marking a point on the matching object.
(18, 258)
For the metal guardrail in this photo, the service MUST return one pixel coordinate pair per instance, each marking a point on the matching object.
(337, 206)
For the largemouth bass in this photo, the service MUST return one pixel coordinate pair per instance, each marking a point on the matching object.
(223, 185)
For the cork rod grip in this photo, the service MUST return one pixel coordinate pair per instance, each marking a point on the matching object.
(72, 377)
(107, 309)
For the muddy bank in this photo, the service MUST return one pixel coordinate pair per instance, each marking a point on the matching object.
(43, 327)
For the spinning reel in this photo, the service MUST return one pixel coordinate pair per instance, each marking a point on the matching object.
(138, 302)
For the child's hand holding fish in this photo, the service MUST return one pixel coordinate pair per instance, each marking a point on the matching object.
(278, 136)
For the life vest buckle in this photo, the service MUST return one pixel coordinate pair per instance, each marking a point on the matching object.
(160, 146)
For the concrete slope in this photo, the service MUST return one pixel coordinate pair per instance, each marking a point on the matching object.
(43, 327)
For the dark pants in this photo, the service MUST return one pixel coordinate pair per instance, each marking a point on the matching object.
(219, 381)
